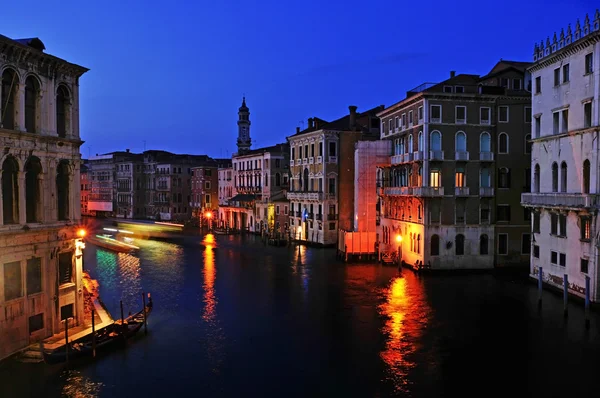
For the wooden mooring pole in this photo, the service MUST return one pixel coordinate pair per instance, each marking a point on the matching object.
(67, 340)
(122, 319)
(566, 295)
(587, 302)
(93, 334)
(540, 276)
(145, 322)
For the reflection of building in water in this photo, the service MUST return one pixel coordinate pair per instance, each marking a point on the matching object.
(40, 260)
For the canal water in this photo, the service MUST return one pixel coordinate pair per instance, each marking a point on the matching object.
(234, 318)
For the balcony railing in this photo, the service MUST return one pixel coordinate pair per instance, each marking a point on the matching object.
(395, 159)
(556, 199)
(436, 155)
(332, 159)
(300, 195)
(319, 159)
(311, 160)
(398, 191)
(319, 217)
(418, 155)
(461, 191)
(428, 191)
(486, 191)
(408, 157)
(291, 162)
(461, 155)
(486, 156)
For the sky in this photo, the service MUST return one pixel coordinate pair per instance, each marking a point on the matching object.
(171, 75)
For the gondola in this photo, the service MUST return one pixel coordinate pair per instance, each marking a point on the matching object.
(105, 338)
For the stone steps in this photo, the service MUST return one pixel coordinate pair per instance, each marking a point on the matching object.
(31, 355)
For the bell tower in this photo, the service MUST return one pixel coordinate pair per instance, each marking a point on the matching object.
(243, 142)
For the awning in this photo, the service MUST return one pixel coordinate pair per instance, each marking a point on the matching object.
(242, 197)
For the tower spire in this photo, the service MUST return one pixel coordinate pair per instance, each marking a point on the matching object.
(244, 142)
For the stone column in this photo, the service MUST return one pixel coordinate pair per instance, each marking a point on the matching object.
(1, 202)
(22, 202)
(50, 193)
(75, 194)
(41, 198)
(70, 200)
(20, 107)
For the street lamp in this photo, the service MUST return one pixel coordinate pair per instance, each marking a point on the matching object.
(399, 241)
(208, 216)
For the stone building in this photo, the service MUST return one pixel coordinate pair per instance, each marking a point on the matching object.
(564, 159)
(41, 256)
(459, 162)
(85, 190)
(322, 175)
(226, 187)
(205, 189)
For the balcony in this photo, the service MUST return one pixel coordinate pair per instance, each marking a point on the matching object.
(305, 195)
(395, 159)
(398, 191)
(332, 159)
(556, 199)
(291, 162)
(319, 217)
(486, 191)
(461, 156)
(461, 191)
(428, 191)
(486, 156)
(311, 160)
(436, 155)
(418, 155)
(319, 159)
(311, 216)
(298, 214)
(408, 157)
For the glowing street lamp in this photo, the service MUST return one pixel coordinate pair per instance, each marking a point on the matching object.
(81, 233)
(399, 241)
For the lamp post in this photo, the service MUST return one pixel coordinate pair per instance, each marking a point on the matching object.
(399, 241)
(208, 216)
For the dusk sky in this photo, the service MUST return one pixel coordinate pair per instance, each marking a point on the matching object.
(173, 74)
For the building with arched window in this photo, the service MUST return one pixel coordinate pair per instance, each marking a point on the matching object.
(40, 251)
(564, 159)
(459, 161)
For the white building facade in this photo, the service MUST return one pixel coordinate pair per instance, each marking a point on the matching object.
(565, 184)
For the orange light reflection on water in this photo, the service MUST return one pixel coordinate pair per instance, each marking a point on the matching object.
(210, 273)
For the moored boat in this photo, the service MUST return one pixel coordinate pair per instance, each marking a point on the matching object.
(110, 243)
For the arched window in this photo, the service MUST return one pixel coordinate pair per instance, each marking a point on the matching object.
(503, 143)
(410, 143)
(461, 142)
(420, 177)
(536, 178)
(63, 190)
(178, 198)
(31, 104)
(10, 81)
(277, 179)
(33, 190)
(412, 242)
(586, 176)
(554, 177)
(484, 178)
(528, 143)
(410, 177)
(62, 111)
(503, 177)
(419, 244)
(460, 245)
(485, 142)
(436, 141)
(563, 177)
(305, 180)
(10, 191)
(483, 244)
(435, 245)
(420, 142)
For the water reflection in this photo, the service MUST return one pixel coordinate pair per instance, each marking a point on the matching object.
(210, 273)
(407, 314)
(120, 271)
(80, 386)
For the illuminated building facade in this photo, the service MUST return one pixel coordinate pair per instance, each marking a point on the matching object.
(41, 257)
(459, 161)
(564, 159)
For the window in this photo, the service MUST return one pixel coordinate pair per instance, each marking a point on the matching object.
(12, 281)
(207, 199)
(554, 177)
(461, 114)
(420, 141)
(527, 114)
(589, 63)
(484, 214)
(332, 186)
(553, 257)
(563, 177)
(503, 177)
(34, 275)
(503, 213)
(36, 323)
(461, 142)
(285, 210)
(292, 158)
(435, 179)
(563, 260)
(528, 143)
(538, 126)
(277, 209)
(503, 114)
(555, 123)
(460, 180)
(448, 89)
(485, 144)
(556, 77)
(483, 245)
(31, 101)
(10, 189)
(66, 312)
(525, 244)
(436, 141)
(410, 118)
(503, 143)
(206, 184)
(562, 224)
(460, 245)
(435, 245)
(485, 178)
(536, 222)
(65, 268)
(484, 115)
(62, 111)
(332, 149)
(587, 114)
(553, 224)
(459, 210)
(565, 70)
(536, 251)
(33, 190)
(538, 85)
(586, 176)
(420, 114)
(565, 120)
(321, 148)
(277, 180)
(396, 122)
(502, 244)
(404, 124)
(410, 143)
(585, 227)
(583, 267)
(459, 89)
(436, 114)
(516, 84)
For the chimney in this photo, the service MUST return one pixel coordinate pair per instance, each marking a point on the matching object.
(310, 122)
(315, 123)
(352, 123)
(297, 130)
(452, 73)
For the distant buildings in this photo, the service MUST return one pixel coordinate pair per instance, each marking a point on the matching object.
(564, 161)
(40, 256)
(205, 189)
(459, 162)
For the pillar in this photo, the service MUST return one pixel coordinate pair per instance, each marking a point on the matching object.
(22, 200)
(20, 107)
(1, 202)
(41, 198)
